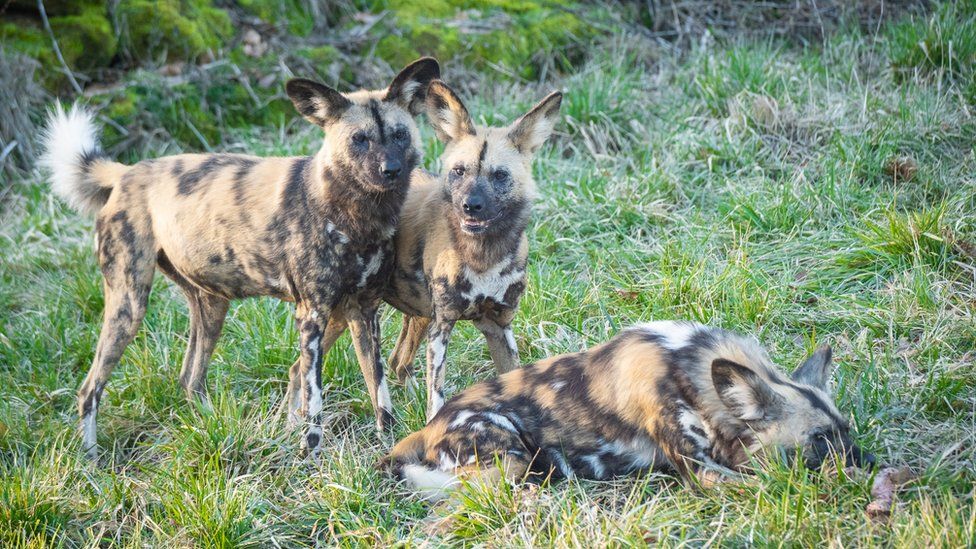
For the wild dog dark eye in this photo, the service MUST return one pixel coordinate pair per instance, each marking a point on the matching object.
(359, 138)
(458, 170)
(500, 176)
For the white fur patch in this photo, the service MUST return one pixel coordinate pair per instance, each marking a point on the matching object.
(594, 461)
(434, 406)
(688, 420)
(447, 462)
(371, 268)
(88, 438)
(67, 138)
(430, 483)
(339, 235)
(557, 457)
(676, 334)
(641, 451)
(510, 340)
(383, 396)
(460, 419)
(557, 385)
(492, 283)
(315, 400)
(500, 421)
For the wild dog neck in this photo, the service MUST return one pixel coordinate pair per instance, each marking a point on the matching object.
(362, 213)
(483, 250)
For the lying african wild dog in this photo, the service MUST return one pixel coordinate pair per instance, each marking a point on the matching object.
(315, 230)
(673, 396)
(461, 246)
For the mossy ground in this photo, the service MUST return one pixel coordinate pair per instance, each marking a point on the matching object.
(744, 183)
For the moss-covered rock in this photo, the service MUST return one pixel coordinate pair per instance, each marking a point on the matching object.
(170, 29)
(57, 7)
(509, 33)
(195, 116)
(86, 39)
(291, 13)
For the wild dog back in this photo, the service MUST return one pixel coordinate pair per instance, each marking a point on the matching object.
(666, 395)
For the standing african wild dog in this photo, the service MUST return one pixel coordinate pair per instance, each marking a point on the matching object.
(461, 246)
(675, 396)
(315, 230)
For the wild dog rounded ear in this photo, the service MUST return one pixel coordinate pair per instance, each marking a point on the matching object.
(529, 132)
(816, 369)
(318, 103)
(743, 392)
(409, 88)
(447, 113)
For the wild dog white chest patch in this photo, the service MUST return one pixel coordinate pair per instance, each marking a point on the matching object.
(492, 283)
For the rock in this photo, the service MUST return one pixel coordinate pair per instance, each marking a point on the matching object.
(253, 44)
(886, 483)
(901, 169)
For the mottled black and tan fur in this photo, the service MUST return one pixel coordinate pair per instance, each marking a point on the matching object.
(315, 230)
(674, 396)
(461, 246)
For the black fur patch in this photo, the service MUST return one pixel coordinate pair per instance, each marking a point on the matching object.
(189, 181)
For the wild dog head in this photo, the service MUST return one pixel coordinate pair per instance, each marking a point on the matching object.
(796, 416)
(370, 135)
(487, 171)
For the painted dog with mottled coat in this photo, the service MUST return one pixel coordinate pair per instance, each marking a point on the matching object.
(674, 396)
(315, 230)
(461, 247)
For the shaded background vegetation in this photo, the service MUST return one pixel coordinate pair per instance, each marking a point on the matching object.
(183, 73)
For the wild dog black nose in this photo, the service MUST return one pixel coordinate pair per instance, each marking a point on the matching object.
(473, 203)
(391, 169)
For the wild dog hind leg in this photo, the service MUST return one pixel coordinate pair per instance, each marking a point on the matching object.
(405, 350)
(207, 314)
(127, 262)
(501, 343)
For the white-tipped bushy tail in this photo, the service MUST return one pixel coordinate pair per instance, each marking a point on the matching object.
(71, 149)
(432, 484)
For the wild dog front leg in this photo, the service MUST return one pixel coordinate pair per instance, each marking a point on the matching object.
(438, 336)
(501, 343)
(365, 330)
(334, 329)
(685, 444)
(311, 326)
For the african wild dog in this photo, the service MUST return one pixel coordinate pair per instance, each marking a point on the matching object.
(673, 396)
(315, 230)
(461, 247)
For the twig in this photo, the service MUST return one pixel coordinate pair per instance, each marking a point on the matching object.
(57, 50)
(6, 152)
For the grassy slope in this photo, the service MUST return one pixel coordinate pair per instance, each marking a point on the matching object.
(676, 189)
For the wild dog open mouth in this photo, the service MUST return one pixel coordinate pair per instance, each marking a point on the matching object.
(474, 226)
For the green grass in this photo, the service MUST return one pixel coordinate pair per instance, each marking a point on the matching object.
(741, 183)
